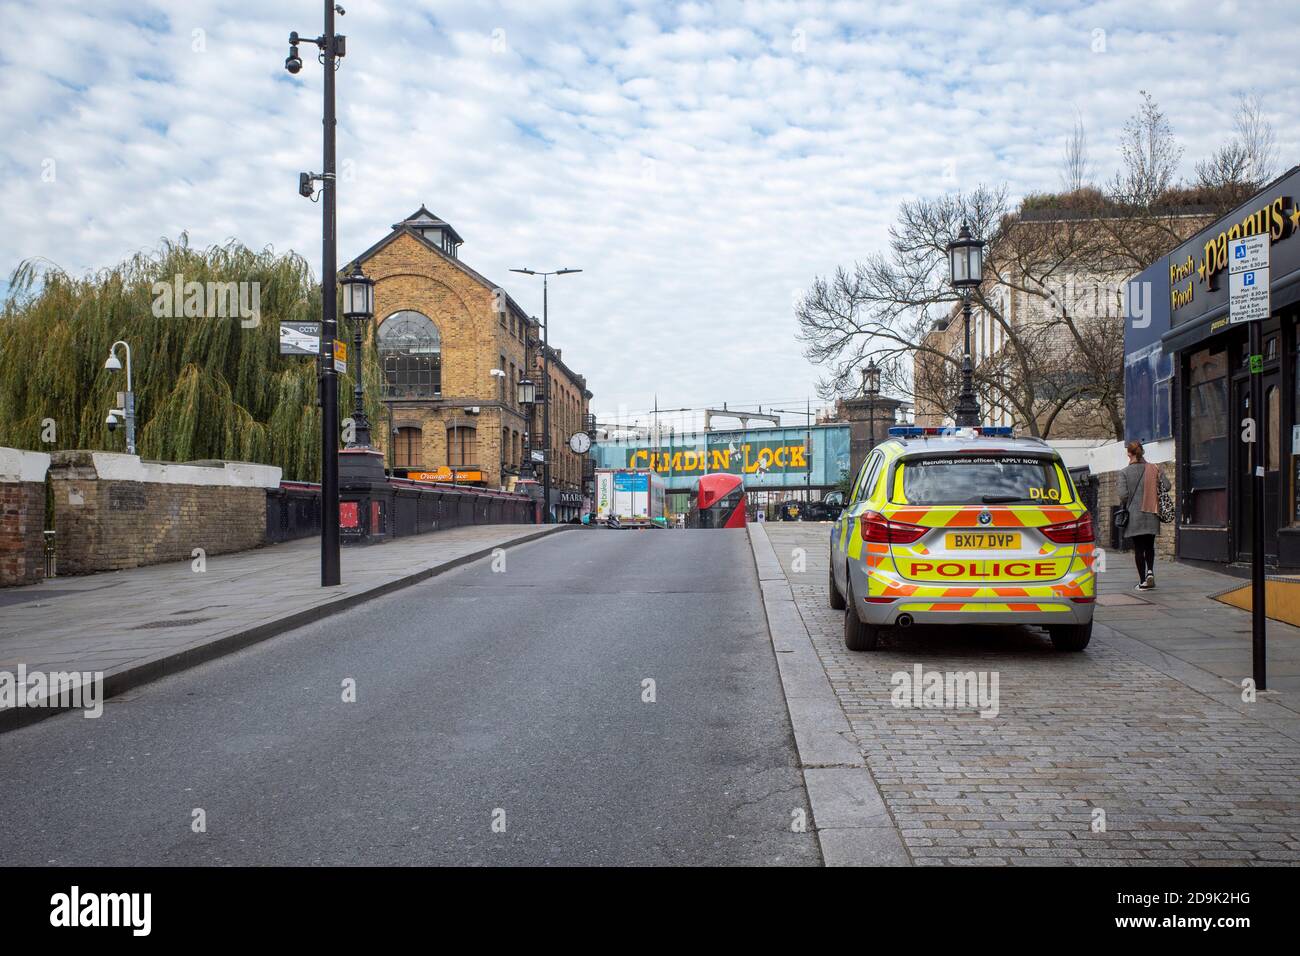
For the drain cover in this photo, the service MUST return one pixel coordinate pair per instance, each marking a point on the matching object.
(183, 622)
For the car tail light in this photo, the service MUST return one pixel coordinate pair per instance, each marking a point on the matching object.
(1070, 532)
(878, 529)
(1083, 600)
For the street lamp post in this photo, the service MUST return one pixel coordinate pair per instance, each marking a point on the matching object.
(127, 411)
(966, 271)
(546, 385)
(359, 307)
(332, 46)
(527, 395)
(871, 389)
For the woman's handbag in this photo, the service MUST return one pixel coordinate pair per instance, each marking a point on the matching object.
(1166, 506)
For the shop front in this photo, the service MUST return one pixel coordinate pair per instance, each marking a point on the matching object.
(1208, 365)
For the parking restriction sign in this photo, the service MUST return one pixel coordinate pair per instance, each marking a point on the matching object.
(1248, 299)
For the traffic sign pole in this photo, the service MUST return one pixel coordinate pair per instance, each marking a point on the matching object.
(1248, 301)
(1257, 616)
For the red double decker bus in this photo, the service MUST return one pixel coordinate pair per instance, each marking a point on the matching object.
(717, 501)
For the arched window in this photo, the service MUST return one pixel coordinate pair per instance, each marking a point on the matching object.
(462, 446)
(410, 350)
(407, 445)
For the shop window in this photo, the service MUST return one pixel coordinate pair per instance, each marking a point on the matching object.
(1292, 478)
(407, 448)
(462, 446)
(1207, 439)
(1273, 418)
(410, 350)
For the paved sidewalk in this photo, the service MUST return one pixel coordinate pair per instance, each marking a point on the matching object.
(1138, 751)
(1181, 620)
(141, 624)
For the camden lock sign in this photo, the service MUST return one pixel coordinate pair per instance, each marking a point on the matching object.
(1199, 268)
(737, 458)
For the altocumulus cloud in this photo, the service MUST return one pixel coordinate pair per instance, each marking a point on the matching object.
(700, 161)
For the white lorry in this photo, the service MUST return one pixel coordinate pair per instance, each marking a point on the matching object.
(629, 498)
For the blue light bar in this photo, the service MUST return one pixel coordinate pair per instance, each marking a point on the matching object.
(917, 431)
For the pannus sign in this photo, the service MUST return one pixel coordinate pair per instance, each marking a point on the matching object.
(1198, 268)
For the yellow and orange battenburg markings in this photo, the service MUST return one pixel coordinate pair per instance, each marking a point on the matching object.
(1070, 566)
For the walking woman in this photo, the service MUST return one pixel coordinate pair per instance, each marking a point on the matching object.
(1140, 485)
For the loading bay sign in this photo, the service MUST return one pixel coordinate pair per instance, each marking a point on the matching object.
(1248, 299)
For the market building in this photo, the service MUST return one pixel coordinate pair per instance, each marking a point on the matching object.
(1187, 381)
(452, 346)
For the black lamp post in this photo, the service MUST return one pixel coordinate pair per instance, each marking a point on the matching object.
(871, 389)
(359, 307)
(546, 386)
(966, 270)
(527, 395)
(331, 46)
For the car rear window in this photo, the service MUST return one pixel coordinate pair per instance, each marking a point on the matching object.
(981, 479)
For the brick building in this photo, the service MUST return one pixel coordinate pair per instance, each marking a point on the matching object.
(453, 345)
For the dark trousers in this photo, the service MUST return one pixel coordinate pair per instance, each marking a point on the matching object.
(1144, 554)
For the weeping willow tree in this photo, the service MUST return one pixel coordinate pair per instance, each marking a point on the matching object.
(205, 386)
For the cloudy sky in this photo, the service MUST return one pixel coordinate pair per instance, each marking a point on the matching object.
(700, 161)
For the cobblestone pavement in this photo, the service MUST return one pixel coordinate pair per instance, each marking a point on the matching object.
(1182, 778)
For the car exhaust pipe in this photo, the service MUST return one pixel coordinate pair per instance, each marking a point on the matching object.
(904, 620)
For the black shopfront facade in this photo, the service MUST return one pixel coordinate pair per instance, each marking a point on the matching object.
(1209, 394)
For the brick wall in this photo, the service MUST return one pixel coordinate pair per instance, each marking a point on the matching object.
(22, 532)
(113, 511)
(22, 516)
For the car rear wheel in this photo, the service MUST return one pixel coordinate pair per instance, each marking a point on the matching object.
(833, 592)
(858, 636)
(1070, 637)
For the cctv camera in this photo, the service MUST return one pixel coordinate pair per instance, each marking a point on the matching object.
(304, 185)
(292, 62)
(111, 422)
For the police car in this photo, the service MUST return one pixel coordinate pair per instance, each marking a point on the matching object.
(963, 526)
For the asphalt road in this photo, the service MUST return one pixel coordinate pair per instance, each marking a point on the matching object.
(511, 697)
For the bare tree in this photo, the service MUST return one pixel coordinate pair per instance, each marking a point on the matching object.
(1255, 134)
(1053, 271)
(1076, 167)
(1150, 156)
(888, 308)
(1227, 167)
(1246, 162)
